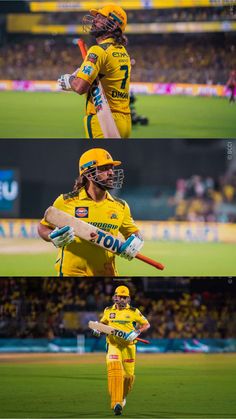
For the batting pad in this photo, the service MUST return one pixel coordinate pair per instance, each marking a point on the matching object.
(128, 385)
(115, 382)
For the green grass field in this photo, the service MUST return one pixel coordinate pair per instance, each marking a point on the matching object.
(75, 386)
(180, 259)
(59, 115)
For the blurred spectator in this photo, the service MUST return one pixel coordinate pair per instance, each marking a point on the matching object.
(205, 199)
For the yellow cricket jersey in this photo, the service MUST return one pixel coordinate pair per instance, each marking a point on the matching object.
(81, 258)
(125, 319)
(111, 62)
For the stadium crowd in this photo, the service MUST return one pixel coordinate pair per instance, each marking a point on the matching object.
(205, 199)
(52, 308)
(193, 14)
(177, 58)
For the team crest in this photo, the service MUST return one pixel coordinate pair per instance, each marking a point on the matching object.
(112, 215)
(81, 212)
(112, 315)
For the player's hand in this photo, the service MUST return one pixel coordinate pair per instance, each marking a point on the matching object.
(132, 335)
(96, 333)
(131, 247)
(61, 237)
(64, 82)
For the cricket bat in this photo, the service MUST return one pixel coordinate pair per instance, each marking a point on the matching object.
(105, 118)
(90, 233)
(109, 330)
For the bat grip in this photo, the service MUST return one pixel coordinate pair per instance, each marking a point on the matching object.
(150, 261)
(82, 48)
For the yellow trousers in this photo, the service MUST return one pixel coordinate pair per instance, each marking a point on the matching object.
(93, 129)
(120, 368)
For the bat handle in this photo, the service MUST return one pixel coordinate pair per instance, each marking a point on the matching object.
(150, 261)
(143, 340)
(82, 47)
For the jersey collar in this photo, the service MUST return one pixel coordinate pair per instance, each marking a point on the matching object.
(110, 40)
(114, 307)
(83, 195)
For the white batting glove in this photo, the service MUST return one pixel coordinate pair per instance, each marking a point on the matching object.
(96, 333)
(64, 82)
(61, 237)
(132, 335)
(131, 247)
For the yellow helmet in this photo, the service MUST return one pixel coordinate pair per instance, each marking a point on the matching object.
(122, 291)
(95, 157)
(113, 12)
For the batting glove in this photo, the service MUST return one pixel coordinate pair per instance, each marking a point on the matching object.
(132, 335)
(131, 247)
(61, 237)
(96, 333)
(64, 82)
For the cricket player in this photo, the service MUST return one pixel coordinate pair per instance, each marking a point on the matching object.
(109, 61)
(121, 353)
(231, 84)
(91, 201)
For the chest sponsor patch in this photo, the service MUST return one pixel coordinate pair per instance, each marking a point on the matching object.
(88, 69)
(92, 58)
(81, 212)
(112, 316)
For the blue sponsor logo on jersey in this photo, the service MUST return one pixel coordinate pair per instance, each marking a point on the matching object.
(87, 69)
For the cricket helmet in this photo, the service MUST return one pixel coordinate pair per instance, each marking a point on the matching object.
(95, 157)
(122, 291)
(114, 13)
(92, 160)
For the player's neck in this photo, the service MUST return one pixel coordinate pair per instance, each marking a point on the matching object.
(102, 38)
(97, 194)
(120, 308)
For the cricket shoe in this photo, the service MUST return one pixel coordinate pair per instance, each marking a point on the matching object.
(118, 409)
(124, 402)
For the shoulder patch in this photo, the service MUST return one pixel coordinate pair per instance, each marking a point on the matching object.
(121, 201)
(70, 195)
(133, 308)
(105, 46)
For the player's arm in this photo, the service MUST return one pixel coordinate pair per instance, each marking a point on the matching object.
(142, 325)
(82, 78)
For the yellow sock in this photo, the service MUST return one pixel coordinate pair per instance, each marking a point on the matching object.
(115, 382)
(128, 384)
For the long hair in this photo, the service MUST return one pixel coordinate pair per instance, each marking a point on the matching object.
(119, 37)
(80, 181)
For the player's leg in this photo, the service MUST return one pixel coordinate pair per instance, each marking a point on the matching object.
(115, 377)
(123, 123)
(92, 127)
(128, 360)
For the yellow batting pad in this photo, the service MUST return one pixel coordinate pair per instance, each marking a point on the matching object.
(115, 382)
(128, 385)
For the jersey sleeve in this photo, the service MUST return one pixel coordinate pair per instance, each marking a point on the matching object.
(140, 318)
(58, 203)
(128, 226)
(92, 64)
(104, 318)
